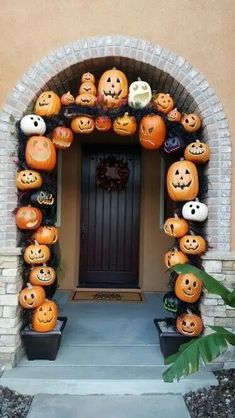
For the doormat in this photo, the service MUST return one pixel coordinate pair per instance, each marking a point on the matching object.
(106, 296)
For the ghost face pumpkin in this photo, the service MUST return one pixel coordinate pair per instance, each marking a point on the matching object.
(113, 87)
(88, 77)
(163, 102)
(42, 275)
(32, 125)
(152, 132)
(173, 144)
(195, 211)
(36, 254)
(191, 122)
(140, 94)
(40, 153)
(44, 317)
(28, 180)
(125, 125)
(67, 99)
(103, 123)
(174, 257)
(28, 217)
(193, 244)
(42, 198)
(83, 125)
(182, 181)
(174, 115)
(189, 325)
(175, 227)
(87, 88)
(62, 137)
(31, 296)
(46, 235)
(171, 302)
(86, 99)
(188, 288)
(48, 104)
(197, 152)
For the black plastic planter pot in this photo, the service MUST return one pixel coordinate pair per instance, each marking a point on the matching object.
(43, 346)
(170, 340)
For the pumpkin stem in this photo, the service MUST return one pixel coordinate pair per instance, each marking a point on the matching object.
(176, 216)
(44, 264)
(29, 285)
(36, 243)
(139, 79)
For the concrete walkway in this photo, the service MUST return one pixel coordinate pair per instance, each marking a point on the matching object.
(150, 406)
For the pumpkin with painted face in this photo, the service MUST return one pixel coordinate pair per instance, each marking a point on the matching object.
(171, 302)
(86, 100)
(67, 99)
(191, 122)
(174, 257)
(46, 235)
(28, 180)
(173, 144)
(195, 211)
(140, 94)
(31, 296)
(87, 88)
(83, 125)
(88, 77)
(182, 181)
(103, 123)
(32, 125)
(62, 137)
(152, 132)
(42, 275)
(36, 254)
(48, 104)
(188, 288)
(163, 102)
(28, 217)
(193, 244)
(42, 198)
(190, 325)
(125, 125)
(44, 317)
(113, 88)
(198, 152)
(175, 227)
(174, 115)
(40, 153)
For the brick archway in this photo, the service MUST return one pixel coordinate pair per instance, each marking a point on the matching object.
(165, 71)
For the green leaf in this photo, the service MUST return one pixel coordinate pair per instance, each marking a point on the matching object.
(211, 284)
(205, 348)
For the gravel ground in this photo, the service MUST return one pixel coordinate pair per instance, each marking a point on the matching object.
(215, 401)
(13, 405)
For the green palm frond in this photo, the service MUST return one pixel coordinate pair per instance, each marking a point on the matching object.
(206, 348)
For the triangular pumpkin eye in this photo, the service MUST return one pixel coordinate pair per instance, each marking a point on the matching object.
(177, 172)
(109, 80)
(186, 171)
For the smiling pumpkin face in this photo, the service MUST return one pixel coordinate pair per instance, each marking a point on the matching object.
(86, 99)
(182, 181)
(83, 125)
(40, 153)
(36, 254)
(44, 317)
(174, 115)
(188, 288)
(163, 102)
(191, 122)
(42, 275)
(193, 244)
(31, 296)
(48, 104)
(125, 125)
(198, 152)
(28, 180)
(62, 137)
(67, 99)
(87, 88)
(113, 87)
(28, 217)
(88, 77)
(189, 325)
(103, 123)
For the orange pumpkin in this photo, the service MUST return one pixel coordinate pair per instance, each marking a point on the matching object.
(62, 137)
(86, 99)
(113, 87)
(46, 235)
(42, 275)
(198, 152)
(83, 125)
(36, 254)
(28, 180)
(191, 122)
(103, 123)
(67, 99)
(193, 244)
(176, 227)
(31, 296)
(182, 181)
(189, 324)
(44, 317)
(125, 125)
(28, 217)
(174, 257)
(174, 115)
(48, 104)
(163, 102)
(87, 88)
(152, 132)
(88, 77)
(188, 288)
(40, 153)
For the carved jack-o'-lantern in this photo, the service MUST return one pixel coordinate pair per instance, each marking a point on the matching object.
(42, 198)
(88, 77)
(36, 254)
(62, 137)
(113, 87)
(175, 227)
(28, 180)
(191, 122)
(40, 153)
(198, 152)
(87, 88)
(46, 235)
(174, 115)
(42, 275)
(140, 94)
(152, 131)
(174, 257)
(171, 302)
(32, 125)
(182, 181)
(103, 123)
(48, 104)
(28, 217)
(125, 125)
(86, 99)
(188, 288)
(189, 325)
(67, 99)
(31, 296)
(44, 317)
(163, 102)
(193, 244)
(83, 125)
(173, 144)
(195, 211)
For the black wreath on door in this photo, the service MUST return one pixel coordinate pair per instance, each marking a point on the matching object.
(112, 174)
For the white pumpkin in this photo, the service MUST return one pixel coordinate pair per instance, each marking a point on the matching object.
(140, 94)
(195, 211)
(33, 125)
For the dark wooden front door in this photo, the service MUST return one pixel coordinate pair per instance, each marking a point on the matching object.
(109, 250)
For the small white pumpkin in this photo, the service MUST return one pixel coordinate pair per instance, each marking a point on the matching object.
(33, 125)
(195, 211)
(140, 94)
